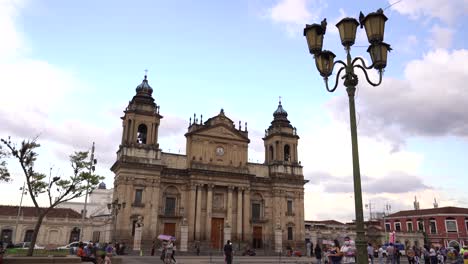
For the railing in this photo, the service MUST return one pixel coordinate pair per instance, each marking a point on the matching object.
(169, 213)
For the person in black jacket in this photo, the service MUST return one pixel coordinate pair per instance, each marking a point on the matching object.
(318, 253)
(228, 252)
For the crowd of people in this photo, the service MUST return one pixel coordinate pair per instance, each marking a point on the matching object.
(99, 253)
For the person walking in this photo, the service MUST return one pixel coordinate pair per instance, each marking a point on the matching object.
(228, 252)
(370, 253)
(308, 246)
(335, 253)
(318, 253)
(380, 254)
(348, 251)
(390, 254)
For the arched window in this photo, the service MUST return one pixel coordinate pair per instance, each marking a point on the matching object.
(170, 201)
(287, 153)
(74, 235)
(28, 235)
(141, 134)
(272, 157)
(7, 235)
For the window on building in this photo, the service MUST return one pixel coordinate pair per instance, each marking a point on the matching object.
(256, 211)
(138, 197)
(290, 207)
(134, 223)
(28, 235)
(272, 156)
(409, 226)
(74, 235)
(397, 226)
(290, 233)
(96, 236)
(170, 206)
(420, 225)
(141, 134)
(466, 225)
(451, 225)
(387, 227)
(287, 153)
(433, 226)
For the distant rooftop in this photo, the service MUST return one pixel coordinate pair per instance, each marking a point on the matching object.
(431, 211)
(9, 210)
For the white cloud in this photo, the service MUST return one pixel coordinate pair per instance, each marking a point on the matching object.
(446, 11)
(294, 14)
(429, 101)
(441, 37)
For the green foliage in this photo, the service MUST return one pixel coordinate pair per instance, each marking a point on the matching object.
(37, 252)
(59, 190)
(4, 174)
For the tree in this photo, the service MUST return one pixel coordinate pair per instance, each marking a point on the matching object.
(4, 174)
(58, 190)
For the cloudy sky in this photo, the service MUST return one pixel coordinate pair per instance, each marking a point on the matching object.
(69, 68)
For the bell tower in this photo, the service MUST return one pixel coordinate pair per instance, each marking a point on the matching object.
(141, 120)
(281, 139)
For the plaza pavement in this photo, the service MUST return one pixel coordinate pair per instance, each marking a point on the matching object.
(220, 260)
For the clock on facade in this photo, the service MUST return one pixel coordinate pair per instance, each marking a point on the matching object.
(219, 151)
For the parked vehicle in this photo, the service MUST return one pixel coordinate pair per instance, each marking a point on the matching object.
(73, 246)
(26, 245)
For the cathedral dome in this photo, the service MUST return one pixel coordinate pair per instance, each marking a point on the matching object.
(102, 186)
(280, 111)
(144, 88)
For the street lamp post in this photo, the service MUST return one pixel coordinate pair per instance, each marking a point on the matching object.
(374, 24)
(115, 206)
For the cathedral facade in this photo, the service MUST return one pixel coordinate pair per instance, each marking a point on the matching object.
(212, 193)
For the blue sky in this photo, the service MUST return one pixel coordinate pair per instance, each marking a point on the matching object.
(69, 68)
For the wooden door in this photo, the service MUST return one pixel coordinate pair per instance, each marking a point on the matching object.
(169, 229)
(217, 232)
(257, 237)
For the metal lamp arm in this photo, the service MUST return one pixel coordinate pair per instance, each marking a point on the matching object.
(367, 77)
(363, 63)
(336, 80)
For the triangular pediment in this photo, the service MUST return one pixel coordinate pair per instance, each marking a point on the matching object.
(221, 131)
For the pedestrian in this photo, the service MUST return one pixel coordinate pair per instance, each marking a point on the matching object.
(397, 255)
(2, 251)
(349, 252)
(153, 247)
(370, 253)
(318, 253)
(308, 246)
(410, 255)
(228, 252)
(390, 254)
(380, 254)
(335, 253)
(432, 255)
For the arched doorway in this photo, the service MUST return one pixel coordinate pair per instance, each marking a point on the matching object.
(28, 235)
(7, 235)
(74, 235)
(454, 243)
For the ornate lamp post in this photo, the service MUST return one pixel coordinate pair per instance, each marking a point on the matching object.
(115, 206)
(374, 24)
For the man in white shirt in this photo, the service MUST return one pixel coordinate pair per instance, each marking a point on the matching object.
(370, 253)
(349, 252)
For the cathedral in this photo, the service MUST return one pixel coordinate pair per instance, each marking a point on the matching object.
(212, 193)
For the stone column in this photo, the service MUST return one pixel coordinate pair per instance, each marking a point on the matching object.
(184, 236)
(152, 228)
(247, 230)
(239, 214)
(198, 213)
(191, 205)
(209, 207)
(227, 232)
(138, 233)
(229, 205)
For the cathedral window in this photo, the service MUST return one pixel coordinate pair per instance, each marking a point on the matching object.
(272, 156)
(290, 233)
(170, 206)
(287, 153)
(290, 208)
(138, 197)
(257, 206)
(141, 134)
(28, 235)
